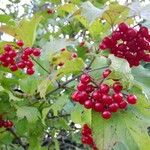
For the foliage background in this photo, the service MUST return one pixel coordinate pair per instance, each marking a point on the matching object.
(40, 105)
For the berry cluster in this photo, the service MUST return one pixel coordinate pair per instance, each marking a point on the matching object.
(87, 137)
(14, 59)
(102, 97)
(129, 43)
(6, 123)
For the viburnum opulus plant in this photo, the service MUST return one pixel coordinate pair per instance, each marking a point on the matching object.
(74, 75)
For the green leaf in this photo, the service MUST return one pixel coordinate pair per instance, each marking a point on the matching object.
(31, 113)
(43, 86)
(6, 19)
(121, 67)
(29, 85)
(25, 30)
(71, 67)
(68, 7)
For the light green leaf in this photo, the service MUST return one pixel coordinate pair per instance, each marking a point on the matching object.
(71, 67)
(31, 113)
(68, 7)
(25, 30)
(6, 19)
(29, 85)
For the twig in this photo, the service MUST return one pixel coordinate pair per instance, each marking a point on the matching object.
(24, 146)
(53, 117)
(40, 65)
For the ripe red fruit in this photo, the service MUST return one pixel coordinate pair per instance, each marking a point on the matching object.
(7, 47)
(28, 51)
(116, 35)
(107, 100)
(5, 64)
(86, 129)
(25, 57)
(98, 107)
(131, 33)
(113, 107)
(9, 124)
(9, 60)
(76, 96)
(20, 43)
(36, 52)
(2, 57)
(88, 104)
(29, 63)
(104, 88)
(82, 44)
(63, 49)
(117, 87)
(89, 88)
(85, 78)
(13, 68)
(118, 97)
(106, 73)
(102, 46)
(106, 114)
(30, 71)
(123, 27)
(132, 99)
(74, 55)
(123, 105)
(12, 53)
(97, 96)
(81, 86)
(21, 65)
(144, 31)
(109, 42)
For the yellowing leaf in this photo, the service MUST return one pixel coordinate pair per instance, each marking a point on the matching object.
(68, 7)
(25, 30)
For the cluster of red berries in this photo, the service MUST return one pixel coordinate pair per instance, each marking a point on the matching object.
(15, 60)
(129, 43)
(102, 97)
(5, 123)
(73, 56)
(87, 137)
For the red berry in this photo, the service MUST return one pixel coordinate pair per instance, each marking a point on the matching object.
(83, 97)
(132, 99)
(98, 107)
(76, 96)
(106, 114)
(5, 64)
(82, 44)
(144, 31)
(97, 96)
(123, 105)
(74, 55)
(131, 33)
(13, 67)
(123, 27)
(85, 78)
(63, 49)
(113, 107)
(9, 124)
(25, 57)
(81, 86)
(20, 43)
(29, 63)
(104, 88)
(109, 42)
(30, 71)
(60, 64)
(89, 88)
(7, 47)
(102, 46)
(88, 104)
(36, 52)
(28, 51)
(10, 60)
(106, 73)
(86, 130)
(116, 35)
(21, 65)
(118, 97)
(117, 87)
(107, 100)
(12, 53)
